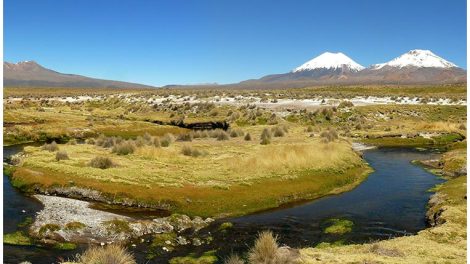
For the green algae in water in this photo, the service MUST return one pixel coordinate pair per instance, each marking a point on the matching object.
(17, 238)
(225, 226)
(65, 246)
(338, 226)
(26, 222)
(206, 258)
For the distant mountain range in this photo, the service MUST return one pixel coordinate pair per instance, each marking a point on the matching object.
(413, 67)
(31, 74)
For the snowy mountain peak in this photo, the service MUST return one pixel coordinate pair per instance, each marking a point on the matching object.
(329, 60)
(417, 58)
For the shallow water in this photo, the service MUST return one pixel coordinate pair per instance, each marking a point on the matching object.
(390, 202)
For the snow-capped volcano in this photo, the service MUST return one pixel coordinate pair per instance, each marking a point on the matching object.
(330, 60)
(417, 58)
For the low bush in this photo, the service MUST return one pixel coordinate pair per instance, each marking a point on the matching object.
(190, 151)
(61, 155)
(266, 137)
(247, 137)
(110, 254)
(124, 148)
(267, 250)
(234, 259)
(166, 140)
(222, 135)
(51, 147)
(236, 133)
(156, 142)
(278, 131)
(101, 162)
(345, 104)
(329, 135)
(105, 142)
(185, 137)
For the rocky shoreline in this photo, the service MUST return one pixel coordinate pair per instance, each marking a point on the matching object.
(70, 220)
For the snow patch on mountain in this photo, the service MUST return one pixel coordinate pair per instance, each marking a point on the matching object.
(417, 58)
(330, 60)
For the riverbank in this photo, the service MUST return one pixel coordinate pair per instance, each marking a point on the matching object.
(231, 177)
(444, 242)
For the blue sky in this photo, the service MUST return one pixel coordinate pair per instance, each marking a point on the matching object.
(176, 41)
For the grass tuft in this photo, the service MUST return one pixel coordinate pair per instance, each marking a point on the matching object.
(101, 162)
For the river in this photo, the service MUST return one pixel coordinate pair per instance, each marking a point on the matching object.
(390, 202)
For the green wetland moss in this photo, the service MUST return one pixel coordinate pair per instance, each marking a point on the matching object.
(65, 246)
(17, 238)
(338, 226)
(206, 258)
(224, 226)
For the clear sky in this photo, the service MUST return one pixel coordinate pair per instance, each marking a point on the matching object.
(182, 42)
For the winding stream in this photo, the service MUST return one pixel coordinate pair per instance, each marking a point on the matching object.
(390, 202)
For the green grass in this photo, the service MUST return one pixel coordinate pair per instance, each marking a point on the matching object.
(220, 183)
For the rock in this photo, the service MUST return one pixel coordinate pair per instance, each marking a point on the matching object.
(196, 242)
(181, 240)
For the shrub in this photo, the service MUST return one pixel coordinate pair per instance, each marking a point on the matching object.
(73, 141)
(124, 148)
(140, 142)
(236, 133)
(234, 259)
(266, 137)
(309, 129)
(266, 134)
(50, 147)
(61, 155)
(265, 249)
(345, 104)
(105, 142)
(185, 137)
(190, 151)
(90, 141)
(204, 134)
(101, 162)
(222, 135)
(156, 142)
(111, 254)
(462, 127)
(147, 138)
(166, 140)
(329, 135)
(278, 131)
(247, 137)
